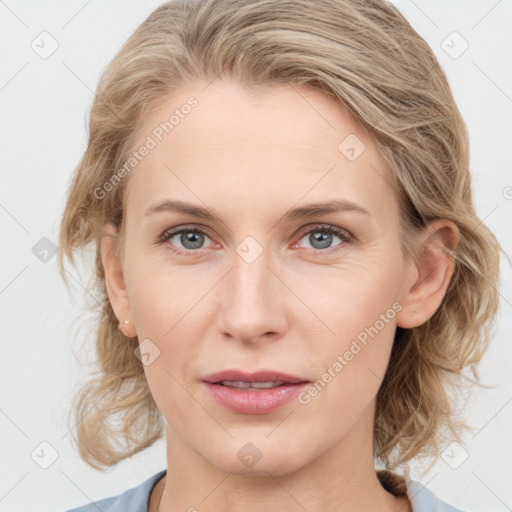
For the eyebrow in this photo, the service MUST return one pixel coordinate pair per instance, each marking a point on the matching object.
(310, 210)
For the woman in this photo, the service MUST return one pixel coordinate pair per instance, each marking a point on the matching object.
(292, 271)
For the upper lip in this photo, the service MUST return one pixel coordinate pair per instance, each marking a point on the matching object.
(259, 376)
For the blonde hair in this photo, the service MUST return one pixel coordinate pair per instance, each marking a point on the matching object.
(364, 54)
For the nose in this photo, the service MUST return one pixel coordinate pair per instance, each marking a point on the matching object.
(252, 301)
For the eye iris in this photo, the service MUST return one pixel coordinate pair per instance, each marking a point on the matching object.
(323, 237)
(188, 236)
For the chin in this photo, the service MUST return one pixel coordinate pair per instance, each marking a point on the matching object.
(257, 458)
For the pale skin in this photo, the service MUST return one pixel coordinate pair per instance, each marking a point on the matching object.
(250, 157)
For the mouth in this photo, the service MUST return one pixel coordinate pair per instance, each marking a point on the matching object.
(259, 379)
(254, 393)
(251, 386)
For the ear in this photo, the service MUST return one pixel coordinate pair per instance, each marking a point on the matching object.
(114, 280)
(428, 276)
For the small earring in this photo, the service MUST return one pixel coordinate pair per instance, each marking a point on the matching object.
(121, 329)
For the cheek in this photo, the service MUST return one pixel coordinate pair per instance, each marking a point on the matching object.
(162, 299)
(353, 297)
(168, 313)
(168, 372)
(350, 374)
(360, 309)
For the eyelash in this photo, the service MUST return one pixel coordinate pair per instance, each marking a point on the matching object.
(341, 233)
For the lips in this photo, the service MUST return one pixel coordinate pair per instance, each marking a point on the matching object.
(247, 393)
(259, 376)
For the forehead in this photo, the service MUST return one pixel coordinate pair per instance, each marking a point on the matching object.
(278, 143)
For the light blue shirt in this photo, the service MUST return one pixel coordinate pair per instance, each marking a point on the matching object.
(137, 498)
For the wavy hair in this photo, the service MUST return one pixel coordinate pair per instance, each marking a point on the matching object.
(365, 55)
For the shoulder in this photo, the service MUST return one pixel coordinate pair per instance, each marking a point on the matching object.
(132, 500)
(136, 499)
(424, 500)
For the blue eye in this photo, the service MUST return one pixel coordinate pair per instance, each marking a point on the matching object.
(323, 235)
(192, 239)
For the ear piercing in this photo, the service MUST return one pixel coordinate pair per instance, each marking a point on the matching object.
(121, 328)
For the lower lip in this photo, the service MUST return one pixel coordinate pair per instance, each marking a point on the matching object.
(260, 401)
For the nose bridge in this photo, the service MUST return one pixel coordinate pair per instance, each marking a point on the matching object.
(250, 272)
(250, 295)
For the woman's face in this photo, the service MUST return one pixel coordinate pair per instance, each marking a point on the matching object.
(263, 288)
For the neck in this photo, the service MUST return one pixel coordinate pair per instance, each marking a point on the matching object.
(343, 479)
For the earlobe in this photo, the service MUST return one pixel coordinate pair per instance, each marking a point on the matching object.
(433, 269)
(115, 281)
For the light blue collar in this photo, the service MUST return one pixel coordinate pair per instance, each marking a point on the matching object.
(136, 499)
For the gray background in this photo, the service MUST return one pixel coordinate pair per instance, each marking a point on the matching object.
(44, 104)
